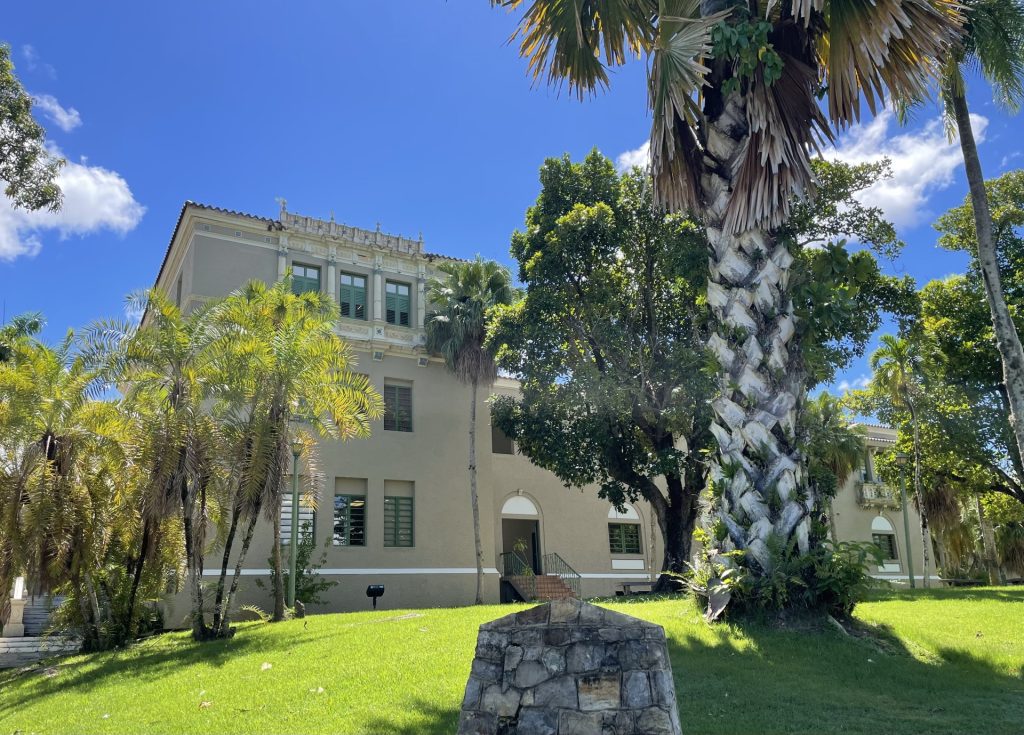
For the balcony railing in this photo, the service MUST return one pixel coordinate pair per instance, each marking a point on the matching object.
(877, 495)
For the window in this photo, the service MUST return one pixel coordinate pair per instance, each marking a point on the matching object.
(624, 538)
(867, 473)
(397, 407)
(501, 443)
(398, 517)
(307, 518)
(349, 520)
(177, 291)
(305, 278)
(353, 296)
(887, 543)
(397, 303)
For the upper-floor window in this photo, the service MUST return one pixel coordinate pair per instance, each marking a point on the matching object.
(397, 407)
(868, 471)
(397, 303)
(501, 443)
(305, 278)
(352, 297)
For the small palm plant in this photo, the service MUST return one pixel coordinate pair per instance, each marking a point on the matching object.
(456, 330)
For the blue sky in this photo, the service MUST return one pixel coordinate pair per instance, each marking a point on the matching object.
(414, 114)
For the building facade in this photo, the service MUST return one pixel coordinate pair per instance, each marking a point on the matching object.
(394, 508)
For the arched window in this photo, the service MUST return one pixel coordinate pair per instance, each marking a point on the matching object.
(624, 531)
(519, 505)
(883, 535)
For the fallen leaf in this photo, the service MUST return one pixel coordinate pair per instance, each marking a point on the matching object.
(204, 705)
(266, 666)
(318, 690)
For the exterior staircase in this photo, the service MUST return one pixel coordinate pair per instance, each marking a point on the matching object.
(35, 645)
(37, 613)
(558, 581)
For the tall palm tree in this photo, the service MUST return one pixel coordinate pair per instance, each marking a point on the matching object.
(277, 361)
(456, 330)
(22, 326)
(734, 88)
(994, 43)
(895, 367)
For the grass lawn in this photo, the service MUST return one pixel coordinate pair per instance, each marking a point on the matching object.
(945, 661)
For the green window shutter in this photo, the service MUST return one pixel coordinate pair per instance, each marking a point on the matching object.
(397, 303)
(398, 522)
(397, 408)
(349, 520)
(352, 296)
(624, 538)
(305, 278)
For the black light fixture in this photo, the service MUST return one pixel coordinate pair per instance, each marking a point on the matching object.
(902, 458)
(374, 591)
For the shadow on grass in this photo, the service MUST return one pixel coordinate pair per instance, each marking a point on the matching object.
(740, 678)
(1002, 594)
(146, 661)
(433, 720)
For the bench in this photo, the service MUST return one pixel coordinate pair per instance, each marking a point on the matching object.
(630, 588)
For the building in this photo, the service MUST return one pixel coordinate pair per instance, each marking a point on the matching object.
(395, 507)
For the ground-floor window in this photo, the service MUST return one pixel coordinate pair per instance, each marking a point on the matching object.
(398, 521)
(624, 538)
(307, 519)
(349, 520)
(887, 543)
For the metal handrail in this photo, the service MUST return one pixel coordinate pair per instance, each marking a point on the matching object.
(513, 565)
(555, 564)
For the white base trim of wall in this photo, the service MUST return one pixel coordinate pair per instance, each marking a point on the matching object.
(615, 576)
(409, 570)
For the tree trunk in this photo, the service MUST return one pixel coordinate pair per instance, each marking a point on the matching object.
(759, 482)
(229, 542)
(194, 562)
(278, 571)
(1007, 339)
(676, 518)
(474, 500)
(137, 577)
(988, 544)
(225, 623)
(922, 513)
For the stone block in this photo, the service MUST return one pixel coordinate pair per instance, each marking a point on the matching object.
(530, 674)
(501, 702)
(558, 692)
(579, 723)
(655, 721)
(584, 657)
(538, 721)
(636, 690)
(600, 692)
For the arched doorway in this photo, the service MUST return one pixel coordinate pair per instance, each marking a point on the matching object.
(520, 530)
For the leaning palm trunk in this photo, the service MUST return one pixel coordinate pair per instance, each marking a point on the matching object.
(758, 475)
(225, 620)
(477, 544)
(278, 567)
(1007, 338)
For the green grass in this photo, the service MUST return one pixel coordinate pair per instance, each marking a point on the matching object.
(942, 661)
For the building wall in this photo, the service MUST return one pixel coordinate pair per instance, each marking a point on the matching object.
(215, 252)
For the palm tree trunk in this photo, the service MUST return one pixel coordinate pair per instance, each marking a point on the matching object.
(922, 513)
(137, 577)
(758, 476)
(194, 562)
(1007, 338)
(225, 624)
(988, 543)
(474, 500)
(229, 542)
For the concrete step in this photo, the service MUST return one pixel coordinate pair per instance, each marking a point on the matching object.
(21, 651)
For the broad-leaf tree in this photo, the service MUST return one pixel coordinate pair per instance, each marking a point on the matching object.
(464, 300)
(994, 44)
(734, 92)
(27, 169)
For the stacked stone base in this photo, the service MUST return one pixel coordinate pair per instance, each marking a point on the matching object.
(569, 668)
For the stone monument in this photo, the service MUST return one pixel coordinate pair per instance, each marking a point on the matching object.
(570, 668)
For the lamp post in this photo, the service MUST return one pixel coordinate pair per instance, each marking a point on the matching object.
(293, 546)
(901, 459)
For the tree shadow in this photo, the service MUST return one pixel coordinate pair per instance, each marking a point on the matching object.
(144, 661)
(433, 719)
(751, 677)
(1002, 594)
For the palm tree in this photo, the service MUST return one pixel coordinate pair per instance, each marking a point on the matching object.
(24, 325)
(895, 367)
(456, 330)
(994, 43)
(277, 361)
(160, 364)
(835, 448)
(734, 88)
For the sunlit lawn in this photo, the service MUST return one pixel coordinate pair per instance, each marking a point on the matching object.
(942, 661)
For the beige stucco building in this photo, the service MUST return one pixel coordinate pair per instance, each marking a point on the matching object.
(394, 509)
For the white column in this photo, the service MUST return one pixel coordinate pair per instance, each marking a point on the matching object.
(421, 297)
(332, 268)
(282, 257)
(378, 289)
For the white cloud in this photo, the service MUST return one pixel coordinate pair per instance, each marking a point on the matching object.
(855, 384)
(66, 118)
(637, 157)
(923, 162)
(31, 56)
(95, 199)
(1009, 157)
